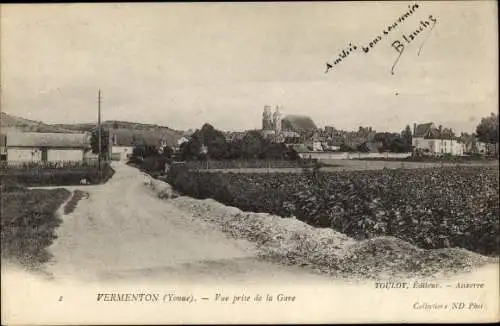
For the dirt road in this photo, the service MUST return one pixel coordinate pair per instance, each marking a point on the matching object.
(123, 231)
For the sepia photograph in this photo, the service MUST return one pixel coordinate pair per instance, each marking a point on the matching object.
(249, 163)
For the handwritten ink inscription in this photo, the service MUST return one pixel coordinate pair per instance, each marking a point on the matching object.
(345, 52)
(397, 45)
(390, 28)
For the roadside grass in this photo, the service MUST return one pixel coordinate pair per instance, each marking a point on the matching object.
(28, 223)
(73, 202)
(54, 176)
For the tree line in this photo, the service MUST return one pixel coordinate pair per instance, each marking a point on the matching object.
(210, 143)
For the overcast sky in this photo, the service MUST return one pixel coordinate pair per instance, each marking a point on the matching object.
(184, 64)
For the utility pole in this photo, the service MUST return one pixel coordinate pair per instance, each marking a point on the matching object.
(99, 133)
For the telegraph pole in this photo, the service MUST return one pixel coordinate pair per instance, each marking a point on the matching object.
(99, 133)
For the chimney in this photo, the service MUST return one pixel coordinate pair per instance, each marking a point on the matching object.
(414, 129)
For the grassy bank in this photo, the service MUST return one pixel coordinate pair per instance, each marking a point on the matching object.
(28, 223)
(73, 202)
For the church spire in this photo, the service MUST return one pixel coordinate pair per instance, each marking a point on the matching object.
(267, 119)
(277, 119)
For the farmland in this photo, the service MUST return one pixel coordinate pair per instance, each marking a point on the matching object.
(438, 207)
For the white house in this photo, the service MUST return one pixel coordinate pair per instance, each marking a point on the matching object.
(46, 147)
(439, 146)
(429, 140)
(120, 150)
(181, 141)
(123, 141)
(316, 146)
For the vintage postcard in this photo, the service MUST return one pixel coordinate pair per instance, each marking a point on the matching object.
(249, 163)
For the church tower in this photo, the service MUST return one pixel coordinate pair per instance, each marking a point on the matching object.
(277, 119)
(267, 119)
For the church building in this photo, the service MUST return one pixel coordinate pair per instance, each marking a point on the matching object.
(289, 128)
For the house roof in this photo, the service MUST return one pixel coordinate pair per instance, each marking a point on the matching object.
(132, 137)
(423, 129)
(298, 122)
(38, 139)
(429, 130)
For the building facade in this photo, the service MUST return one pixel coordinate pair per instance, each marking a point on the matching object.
(438, 146)
(46, 147)
(120, 152)
(123, 142)
(429, 140)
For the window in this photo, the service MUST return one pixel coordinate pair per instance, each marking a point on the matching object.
(44, 154)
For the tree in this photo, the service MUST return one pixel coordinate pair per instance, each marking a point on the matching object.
(167, 151)
(487, 129)
(214, 140)
(345, 147)
(138, 151)
(277, 151)
(252, 145)
(363, 148)
(392, 142)
(406, 134)
(94, 142)
(398, 144)
(145, 151)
